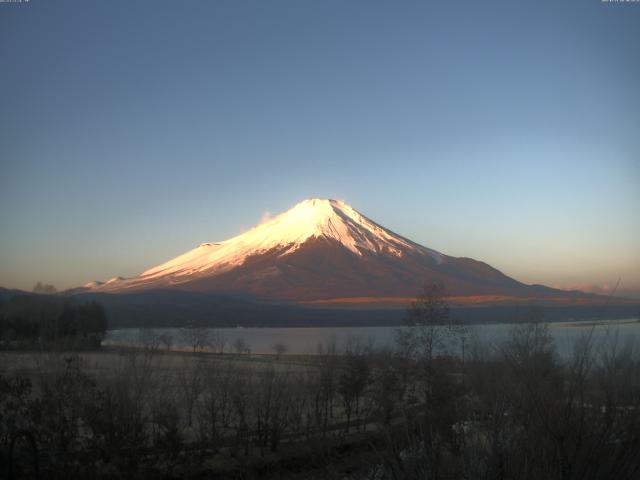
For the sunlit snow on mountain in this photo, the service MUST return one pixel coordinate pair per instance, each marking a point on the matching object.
(321, 250)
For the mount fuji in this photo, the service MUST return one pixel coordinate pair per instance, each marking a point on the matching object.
(324, 251)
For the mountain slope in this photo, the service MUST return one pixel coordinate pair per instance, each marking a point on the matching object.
(320, 249)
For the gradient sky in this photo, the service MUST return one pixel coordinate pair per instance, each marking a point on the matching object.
(131, 131)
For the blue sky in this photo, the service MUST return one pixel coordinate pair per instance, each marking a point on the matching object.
(504, 131)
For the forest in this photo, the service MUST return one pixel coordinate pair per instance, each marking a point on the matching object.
(29, 321)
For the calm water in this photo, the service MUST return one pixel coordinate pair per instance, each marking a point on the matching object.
(307, 340)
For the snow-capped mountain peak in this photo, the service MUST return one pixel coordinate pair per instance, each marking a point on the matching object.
(332, 219)
(320, 250)
(327, 219)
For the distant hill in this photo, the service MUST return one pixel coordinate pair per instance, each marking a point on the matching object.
(175, 308)
(7, 293)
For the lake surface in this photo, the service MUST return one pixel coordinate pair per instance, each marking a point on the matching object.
(308, 339)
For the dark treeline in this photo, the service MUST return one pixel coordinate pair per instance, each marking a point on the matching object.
(28, 321)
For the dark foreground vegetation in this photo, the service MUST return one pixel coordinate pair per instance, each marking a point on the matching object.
(437, 406)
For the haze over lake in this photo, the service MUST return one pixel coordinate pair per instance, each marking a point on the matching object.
(305, 341)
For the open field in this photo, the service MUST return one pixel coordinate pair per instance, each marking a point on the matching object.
(104, 363)
(152, 382)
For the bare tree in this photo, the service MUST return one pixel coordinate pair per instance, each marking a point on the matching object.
(353, 378)
(241, 346)
(280, 349)
(149, 339)
(241, 394)
(191, 381)
(216, 408)
(166, 340)
(195, 337)
(325, 379)
(217, 341)
(429, 319)
(270, 405)
(351, 384)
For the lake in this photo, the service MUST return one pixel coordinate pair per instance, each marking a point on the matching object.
(306, 340)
